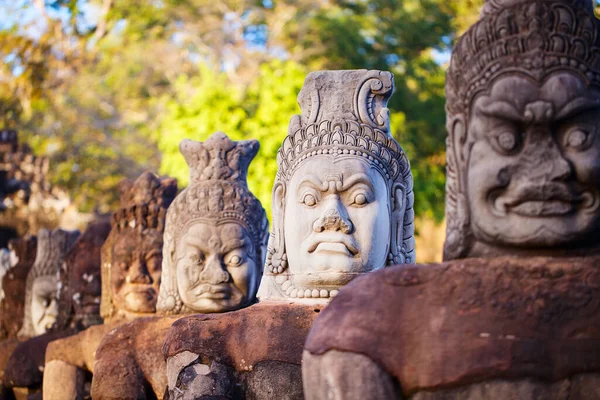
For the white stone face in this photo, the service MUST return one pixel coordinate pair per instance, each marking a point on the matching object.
(44, 307)
(215, 267)
(336, 221)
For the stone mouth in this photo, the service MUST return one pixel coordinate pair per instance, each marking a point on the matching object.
(541, 201)
(334, 244)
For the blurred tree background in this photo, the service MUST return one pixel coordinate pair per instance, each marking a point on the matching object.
(108, 88)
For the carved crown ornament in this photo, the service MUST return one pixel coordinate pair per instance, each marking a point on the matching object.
(217, 192)
(534, 38)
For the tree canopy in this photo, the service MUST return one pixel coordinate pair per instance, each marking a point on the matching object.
(108, 88)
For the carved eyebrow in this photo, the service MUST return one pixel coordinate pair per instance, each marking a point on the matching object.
(153, 252)
(576, 106)
(355, 180)
(313, 181)
(502, 109)
(234, 244)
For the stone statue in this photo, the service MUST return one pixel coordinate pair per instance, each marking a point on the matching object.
(132, 263)
(342, 199)
(41, 306)
(214, 250)
(216, 233)
(131, 270)
(522, 122)
(513, 312)
(78, 307)
(342, 206)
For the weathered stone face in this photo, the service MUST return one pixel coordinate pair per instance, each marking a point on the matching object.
(216, 232)
(44, 305)
(132, 253)
(41, 306)
(216, 269)
(79, 297)
(534, 168)
(337, 213)
(136, 272)
(523, 167)
(342, 199)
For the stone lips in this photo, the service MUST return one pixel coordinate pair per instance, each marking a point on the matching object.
(464, 321)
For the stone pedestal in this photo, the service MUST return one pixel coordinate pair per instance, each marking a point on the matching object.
(253, 353)
(491, 328)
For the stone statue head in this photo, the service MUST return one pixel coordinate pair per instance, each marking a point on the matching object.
(216, 233)
(22, 256)
(523, 120)
(342, 199)
(41, 306)
(79, 275)
(132, 253)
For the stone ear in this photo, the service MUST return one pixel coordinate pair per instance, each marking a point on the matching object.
(457, 129)
(398, 209)
(276, 257)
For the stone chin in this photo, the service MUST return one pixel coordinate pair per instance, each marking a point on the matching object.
(141, 300)
(215, 305)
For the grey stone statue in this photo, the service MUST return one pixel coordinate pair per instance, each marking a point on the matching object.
(523, 105)
(342, 199)
(41, 306)
(216, 232)
(500, 318)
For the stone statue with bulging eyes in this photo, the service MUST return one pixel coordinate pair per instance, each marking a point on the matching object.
(214, 248)
(342, 207)
(342, 199)
(513, 312)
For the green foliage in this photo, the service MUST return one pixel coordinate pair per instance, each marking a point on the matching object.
(110, 97)
(210, 103)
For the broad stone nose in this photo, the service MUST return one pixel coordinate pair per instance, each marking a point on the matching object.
(546, 161)
(138, 273)
(334, 218)
(213, 272)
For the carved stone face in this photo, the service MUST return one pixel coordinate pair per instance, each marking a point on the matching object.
(136, 272)
(336, 222)
(534, 168)
(216, 269)
(44, 307)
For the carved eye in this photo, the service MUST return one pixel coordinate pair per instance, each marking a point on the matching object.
(46, 302)
(234, 260)
(360, 199)
(507, 141)
(577, 139)
(309, 200)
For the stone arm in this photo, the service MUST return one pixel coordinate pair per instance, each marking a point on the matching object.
(26, 364)
(129, 361)
(68, 359)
